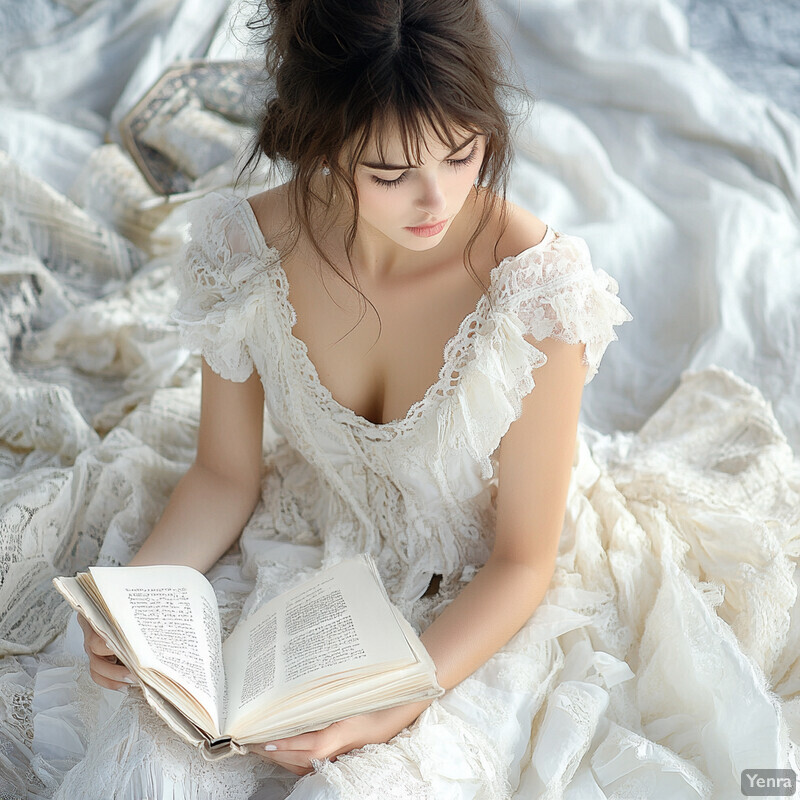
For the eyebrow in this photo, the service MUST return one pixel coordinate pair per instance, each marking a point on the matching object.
(392, 167)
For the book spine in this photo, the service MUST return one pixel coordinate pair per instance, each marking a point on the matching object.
(224, 747)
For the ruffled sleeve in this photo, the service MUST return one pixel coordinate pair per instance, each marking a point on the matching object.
(550, 290)
(556, 292)
(212, 275)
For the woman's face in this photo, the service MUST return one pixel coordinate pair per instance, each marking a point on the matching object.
(415, 204)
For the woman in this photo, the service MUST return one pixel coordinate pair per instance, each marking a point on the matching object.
(391, 437)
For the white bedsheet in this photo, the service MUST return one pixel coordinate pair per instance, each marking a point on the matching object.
(684, 185)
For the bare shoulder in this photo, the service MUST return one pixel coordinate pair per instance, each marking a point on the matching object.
(507, 238)
(271, 210)
(523, 230)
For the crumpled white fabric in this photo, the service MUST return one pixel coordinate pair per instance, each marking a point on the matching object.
(683, 187)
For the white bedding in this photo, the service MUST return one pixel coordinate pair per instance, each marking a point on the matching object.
(686, 189)
(684, 185)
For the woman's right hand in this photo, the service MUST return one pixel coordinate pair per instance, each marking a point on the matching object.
(106, 670)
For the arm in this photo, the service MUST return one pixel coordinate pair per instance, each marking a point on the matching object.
(204, 517)
(210, 504)
(214, 500)
(535, 466)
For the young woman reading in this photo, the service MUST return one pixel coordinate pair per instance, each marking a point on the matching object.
(421, 345)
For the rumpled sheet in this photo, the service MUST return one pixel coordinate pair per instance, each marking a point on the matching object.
(685, 187)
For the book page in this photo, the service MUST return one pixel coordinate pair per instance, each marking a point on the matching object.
(339, 620)
(85, 602)
(170, 617)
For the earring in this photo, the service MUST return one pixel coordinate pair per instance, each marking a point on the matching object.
(326, 170)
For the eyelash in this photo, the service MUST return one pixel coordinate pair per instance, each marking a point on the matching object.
(453, 162)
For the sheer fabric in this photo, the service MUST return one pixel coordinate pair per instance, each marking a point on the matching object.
(679, 548)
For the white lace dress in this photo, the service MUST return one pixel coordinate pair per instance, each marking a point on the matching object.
(645, 672)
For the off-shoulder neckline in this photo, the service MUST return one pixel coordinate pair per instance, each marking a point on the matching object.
(390, 428)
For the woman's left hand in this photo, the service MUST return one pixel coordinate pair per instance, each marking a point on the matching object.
(295, 753)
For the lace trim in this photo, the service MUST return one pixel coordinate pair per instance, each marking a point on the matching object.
(551, 287)
(456, 355)
(549, 290)
(220, 288)
(557, 293)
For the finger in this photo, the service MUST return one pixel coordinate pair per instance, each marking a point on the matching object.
(302, 741)
(296, 758)
(118, 674)
(106, 683)
(102, 648)
(88, 629)
(101, 651)
(92, 640)
(99, 646)
(292, 760)
(258, 750)
(297, 769)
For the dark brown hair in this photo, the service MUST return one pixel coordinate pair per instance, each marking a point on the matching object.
(343, 70)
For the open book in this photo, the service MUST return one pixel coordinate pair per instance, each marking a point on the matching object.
(332, 647)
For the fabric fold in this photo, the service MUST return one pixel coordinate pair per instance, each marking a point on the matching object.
(489, 391)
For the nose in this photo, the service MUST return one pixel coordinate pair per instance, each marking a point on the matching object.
(431, 198)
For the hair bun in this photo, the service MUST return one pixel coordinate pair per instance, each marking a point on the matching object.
(339, 70)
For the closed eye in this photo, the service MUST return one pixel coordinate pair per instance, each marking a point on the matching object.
(458, 163)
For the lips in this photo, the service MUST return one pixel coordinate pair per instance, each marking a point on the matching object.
(431, 229)
(429, 224)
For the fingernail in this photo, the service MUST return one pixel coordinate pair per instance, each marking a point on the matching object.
(270, 747)
(129, 679)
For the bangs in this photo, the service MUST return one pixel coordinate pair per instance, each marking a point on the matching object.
(417, 127)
